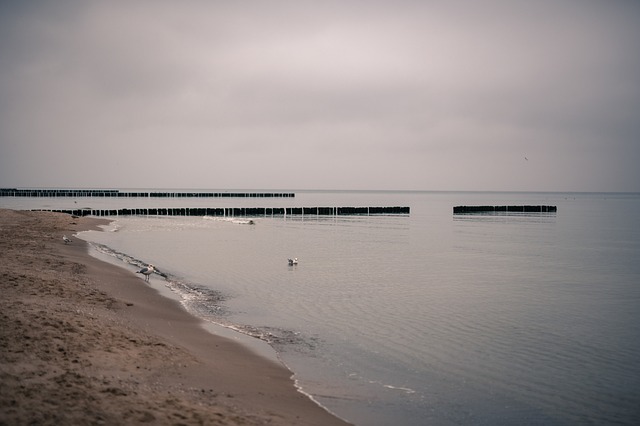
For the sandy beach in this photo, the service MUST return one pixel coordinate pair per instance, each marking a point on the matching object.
(86, 342)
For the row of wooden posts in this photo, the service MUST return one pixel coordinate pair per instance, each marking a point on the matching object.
(13, 192)
(238, 211)
(499, 209)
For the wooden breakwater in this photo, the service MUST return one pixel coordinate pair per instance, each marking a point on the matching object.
(238, 211)
(13, 192)
(504, 209)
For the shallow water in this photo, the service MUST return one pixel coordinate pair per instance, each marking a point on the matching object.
(422, 319)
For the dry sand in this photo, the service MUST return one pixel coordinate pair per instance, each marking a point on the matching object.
(86, 342)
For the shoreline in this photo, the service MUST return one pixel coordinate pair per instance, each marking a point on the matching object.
(85, 341)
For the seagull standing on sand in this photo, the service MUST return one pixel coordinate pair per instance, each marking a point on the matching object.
(293, 261)
(146, 272)
(66, 239)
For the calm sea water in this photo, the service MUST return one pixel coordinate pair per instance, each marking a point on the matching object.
(428, 318)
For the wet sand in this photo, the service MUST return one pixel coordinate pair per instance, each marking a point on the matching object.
(86, 342)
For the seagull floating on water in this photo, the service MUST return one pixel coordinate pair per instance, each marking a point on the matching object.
(293, 261)
(66, 239)
(146, 271)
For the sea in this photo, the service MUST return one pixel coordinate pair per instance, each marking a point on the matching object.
(426, 318)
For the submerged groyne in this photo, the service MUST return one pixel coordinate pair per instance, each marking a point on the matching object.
(504, 209)
(14, 192)
(238, 211)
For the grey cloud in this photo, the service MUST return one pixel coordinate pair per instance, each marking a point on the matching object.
(421, 88)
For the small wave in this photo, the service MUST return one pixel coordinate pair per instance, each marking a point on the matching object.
(230, 220)
(298, 387)
(277, 338)
(119, 255)
(356, 376)
(408, 391)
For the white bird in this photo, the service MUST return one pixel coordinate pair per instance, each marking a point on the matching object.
(293, 261)
(66, 239)
(146, 271)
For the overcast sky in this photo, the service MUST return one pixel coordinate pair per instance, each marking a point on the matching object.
(414, 95)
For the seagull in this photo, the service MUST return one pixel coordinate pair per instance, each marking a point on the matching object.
(66, 239)
(293, 261)
(146, 271)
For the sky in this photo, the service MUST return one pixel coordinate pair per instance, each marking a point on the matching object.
(495, 95)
